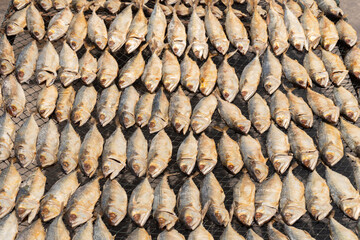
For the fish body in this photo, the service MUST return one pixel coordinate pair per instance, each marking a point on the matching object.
(330, 143)
(351, 61)
(355, 163)
(278, 149)
(84, 104)
(339, 231)
(190, 73)
(317, 195)
(275, 234)
(171, 71)
(231, 234)
(345, 196)
(34, 231)
(207, 155)
(244, 200)
(114, 202)
(140, 203)
(267, 199)
(107, 69)
(119, 28)
(316, 69)
(251, 235)
(227, 79)
(126, 111)
(156, 29)
(136, 153)
(46, 101)
(280, 109)
(196, 36)
(143, 109)
(47, 144)
(346, 32)
(82, 203)
(229, 153)
(26, 62)
(311, 27)
(208, 77)
(25, 141)
(200, 233)
(295, 72)
(322, 106)
(334, 66)
(164, 205)
(348, 104)
(19, 4)
(300, 111)
(297, 234)
(9, 226)
(88, 67)
(330, 7)
(85, 231)
(10, 181)
(295, 30)
(57, 230)
(114, 154)
(108, 104)
(172, 234)
(139, 234)
(90, 151)
(250, 78)
(186, 155)
(350, 134)
(113, 6)
(152, 73)
(7, 136)
(189, 204)
(97, 31)
(57, 196)
(59, 24)
(68, 154)
(47, 65)
(77, 31)
(271, 72)
(180, 111)
(292, 199)
(64, 103)
(329, 34)
(253, 158)
(160, 112)
(259, 113)
(101, 232)
(176, 35)
(16, 22)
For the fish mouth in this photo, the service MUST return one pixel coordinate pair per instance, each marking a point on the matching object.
(329, 43)
(271, 84)
(206, 165)
(45, 111)
(351, 113)
(132, 44)
(206, 90)
(234, 168)
(88, 77)
(244, 216)
(300, 44)
(283, 119)
(321, 78)
(261, 125)
(243, 126)
(88, 167)
(332, 154)
(138, 166)
(187, 165)
(222, 45)
(14, 109)
(279, 47)
(309, 159)
(305, 121)
(25, 157)
(292, 215)
(332, 115)
(281, 162)
(313, 40)
(179, 47)
(263, 214)
(350, 41)
(242, 45)
(141, 218)
(115, 216)
(321, 212)
(338, 76)
(247, 94)
(191, 218)
(200, 50)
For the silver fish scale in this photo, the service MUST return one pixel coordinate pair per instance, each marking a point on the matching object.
(127, 179)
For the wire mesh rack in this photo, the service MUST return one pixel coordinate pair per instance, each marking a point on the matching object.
(318, 229)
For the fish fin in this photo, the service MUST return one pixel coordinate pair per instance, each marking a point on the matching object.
(231, 213)
(293, 166)
(205, 209)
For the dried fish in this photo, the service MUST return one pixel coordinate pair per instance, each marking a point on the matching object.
(295, 30)
(355, 163)
(140, 202)
(164, 205)
(329, 34)
(84, 104)
(143, 109)
(56, 198)
(295, 72)
(59, 24)
(136, 153)
(107, 69)
(317, 195)
(316, 69)
(13, 95)
(259, 113)
(26, 62)
(294, 7)
(34, 231)
(229, 153)
(208, 77)
(350, 134)
(171, 71)
(300, 111)
(61, 4)
(330, 7)
(139, 234)
(25, 141)
(335, 67)
(77, 31)
(101, 232)
(156, 29)
(64, 103)
(119, 27)
(47, 144)
(258, 30)
(292, 198)
(19, 4)
(280, 109)
(189, 204)
(275, 234)
(186, 155)
(190, 72)
(160, 112)
(97, 31)
(69, 148)
(114, 154)
(345, 196)
(108, 104)
(35, 22)
(45, 4)
(329, 143)
(200, 233)
(231, 233)
(251, 235)
(253, 158)
(114, 202)
(180, 111)
(88, 67)
(267, 199)
(82, 203)
(348, 104)
(338, 231)
(176, 35)
(10, 181)
(47, 65)
(351, 61)
(297, 234)
(84, 232)
(9, 226)
(311, 27)
(346, 32)
(16, 22)
(152, 73)
(227, 79)
(271, 72)
(90, 151)
(207, 154)
(46, 101)
(7, 135)
(113, 6)
(57, 230)
(322, 106)
(250, 78)
(172, 234)
(126, 111)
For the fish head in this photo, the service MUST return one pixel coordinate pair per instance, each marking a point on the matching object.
(338, 76)
(142, 119)
(140, 215)
(75, 43)
(152, 83)
(351, 207)
(219, 214)
(305, 120)
(243, 125)
(292, 213)
(242, 45)
(59, 4)
(126, 79)
(45, 109)
(157, 166)
(247, 93)
(206, 165)
(279, 47)
(14, 108)
(156, 45)
(46, 4)
(222, 45)
(78, 215)
(229, 93)
(180, 123)
(206, 87)
(320, 211)
(23, 74)
(6, 205)
(80, 116)
(54, 32)
(13, 29)
(115, 215)
(38, 32)
(6, 67)
(332, 114)
(191, 218)
(178, 47)
(264, 213)
(282, 118)
(127, 119)
(79, 4)
(192, 84)
(234, 165)
(62, 112)
(351, 112)
(261, 124)
(350, 40)
(138, 166)
(156, 124)
(259, 46)
(46, 158)
(68, 162)
(245, 215)
(309, 159)
(321, 78)
(115, 42)
(26, 207)
(50, 209)
(105, 116)
(170, 83)
(281, 163)
(25, 155)
(67, 78)
(200, 50)
(300, 43)
(271, 83)
(45, 76)
(88, 76)
(259, 169)
(329, 43)
(89, 166)
(166, 219)
(106, 79)
(19, 4)
(199, 124)
(302, 81)
(356, 71)
(186, 165)
(112, 168)
(132, 44)
(332, 154)
(112, 6)
(313, 39)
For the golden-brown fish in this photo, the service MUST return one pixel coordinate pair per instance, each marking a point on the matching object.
(84, 104)
(207, 155)
(59, 24)
(329, 142)
(244, 199)
(7, 57)
(64, 103)
(46, 101)
(7, 135)
(13, 95)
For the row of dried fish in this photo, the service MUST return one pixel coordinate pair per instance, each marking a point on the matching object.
(290, 196)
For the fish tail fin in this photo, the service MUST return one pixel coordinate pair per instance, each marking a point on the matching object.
(143, 47)
(205, 209)
(288, 89)
(208, 3)
(331, 214)
(293, 166)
